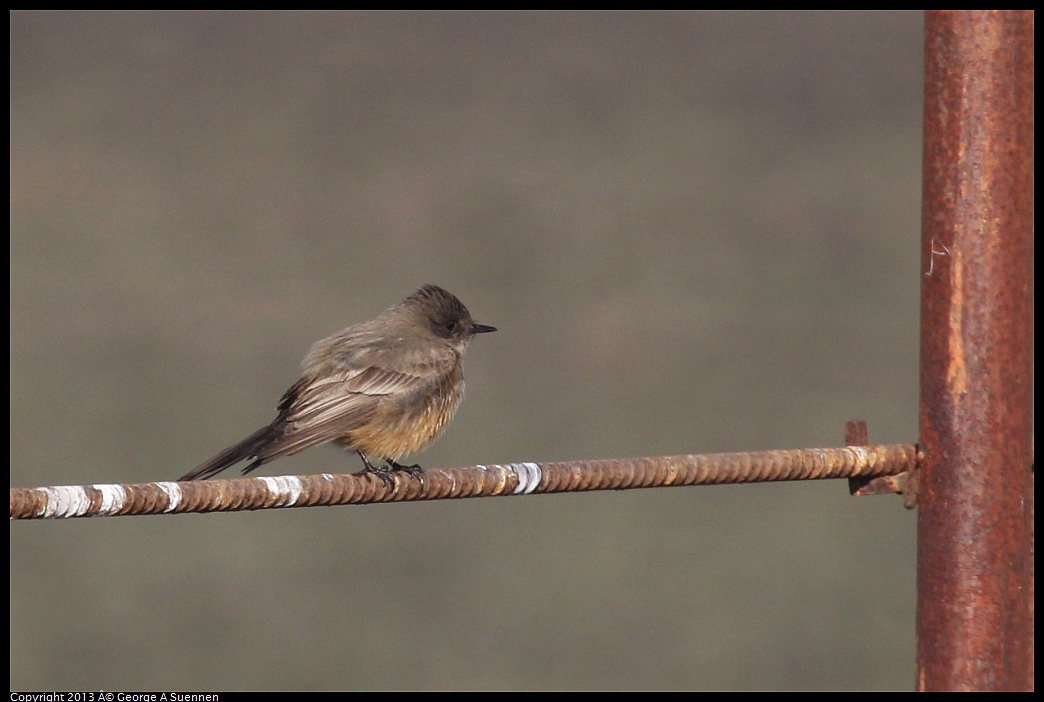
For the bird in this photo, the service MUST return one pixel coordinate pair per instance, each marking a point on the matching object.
(384, 388)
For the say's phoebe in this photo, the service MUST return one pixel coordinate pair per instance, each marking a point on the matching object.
(383, 388)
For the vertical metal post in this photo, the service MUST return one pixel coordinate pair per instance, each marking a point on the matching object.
(974, 494)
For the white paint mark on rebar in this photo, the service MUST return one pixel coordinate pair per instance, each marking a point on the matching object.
(288, 487)
(529, 476)
(173, 493)
(114, 497)
(65, 501)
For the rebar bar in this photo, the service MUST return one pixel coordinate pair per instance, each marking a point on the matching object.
(448, 483)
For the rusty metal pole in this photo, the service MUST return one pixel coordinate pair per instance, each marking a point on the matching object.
(974, 489)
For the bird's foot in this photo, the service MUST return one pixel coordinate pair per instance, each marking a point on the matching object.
(415, 470)
(381, 472)
(384, 472)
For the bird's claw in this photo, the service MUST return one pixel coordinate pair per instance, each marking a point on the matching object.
(385, 472)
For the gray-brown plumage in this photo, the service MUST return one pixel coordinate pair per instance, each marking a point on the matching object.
(384, 388)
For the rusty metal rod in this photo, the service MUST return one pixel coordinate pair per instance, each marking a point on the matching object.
(448, 483)
(974, 485)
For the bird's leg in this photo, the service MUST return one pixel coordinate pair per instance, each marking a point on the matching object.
(383, 473)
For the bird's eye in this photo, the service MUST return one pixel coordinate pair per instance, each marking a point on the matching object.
(451, 327)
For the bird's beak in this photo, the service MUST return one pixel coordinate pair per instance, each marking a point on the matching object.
(482, 328)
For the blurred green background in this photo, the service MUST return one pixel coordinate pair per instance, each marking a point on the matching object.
(696, 232)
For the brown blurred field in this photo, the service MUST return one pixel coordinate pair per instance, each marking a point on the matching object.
(696, 232)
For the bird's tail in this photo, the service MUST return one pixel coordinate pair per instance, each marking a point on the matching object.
(247, 448)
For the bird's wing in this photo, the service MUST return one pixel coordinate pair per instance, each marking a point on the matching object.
(318, 410)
